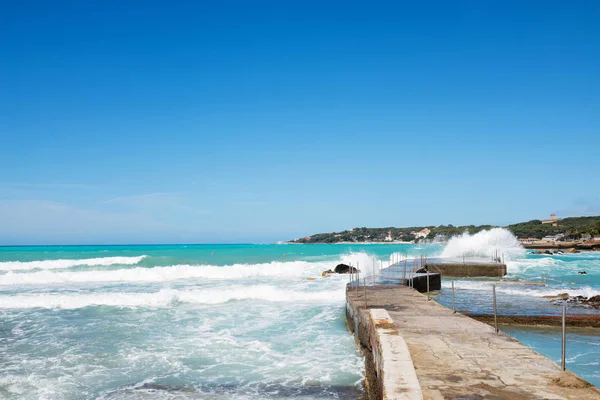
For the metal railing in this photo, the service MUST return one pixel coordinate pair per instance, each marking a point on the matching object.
(401, 270)
(495, 308)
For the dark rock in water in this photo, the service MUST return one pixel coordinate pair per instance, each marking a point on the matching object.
(582, 273)
(561, 296)
(580, 301)
(344, 269)
(593, 299)
(422, 271)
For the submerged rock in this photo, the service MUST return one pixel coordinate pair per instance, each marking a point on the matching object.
(561, 296)
(581, 301)
(593, 299)
(344, 269)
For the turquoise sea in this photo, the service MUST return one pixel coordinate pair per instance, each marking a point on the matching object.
(225, 321)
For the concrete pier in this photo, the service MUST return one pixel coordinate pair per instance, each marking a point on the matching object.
(451, 355)
(459, 270)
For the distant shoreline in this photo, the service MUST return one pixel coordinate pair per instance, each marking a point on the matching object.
(385, 243)
(589, 246)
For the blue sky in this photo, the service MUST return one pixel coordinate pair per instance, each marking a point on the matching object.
(136, 122)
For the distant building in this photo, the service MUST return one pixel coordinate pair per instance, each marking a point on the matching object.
(553, 220)
(528, 240)
(389, 238)
(422, 233)
(553, 238)
(586, 236)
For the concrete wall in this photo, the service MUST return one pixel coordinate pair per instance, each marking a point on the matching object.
(389, 370)
(469, 270)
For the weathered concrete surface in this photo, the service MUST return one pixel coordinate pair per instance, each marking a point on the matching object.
(469, 269)
(456, 357)
(392, 359)
(390, 373)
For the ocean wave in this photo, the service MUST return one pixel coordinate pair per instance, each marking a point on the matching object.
(552, 265)
(523, 290)
(168, 297)
(59, 264)
(484, 244)
(283, 270)
(523, 265)
(296, 269)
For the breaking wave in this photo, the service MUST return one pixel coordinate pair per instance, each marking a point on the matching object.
(483, 244)
(168, 297)
(58, 264)
(164, 274)
(281, 270)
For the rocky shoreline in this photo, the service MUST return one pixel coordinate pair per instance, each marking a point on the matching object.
(580, 246)
(576, 321)
(580, 301)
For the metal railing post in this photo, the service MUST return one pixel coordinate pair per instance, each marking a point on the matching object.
(357, 279)
(453, 308)
(373, 259)
(564, 338)
(495, 313)
(427, 272)
(365, 287)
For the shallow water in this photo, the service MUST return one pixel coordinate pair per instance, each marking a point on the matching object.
(583, 348)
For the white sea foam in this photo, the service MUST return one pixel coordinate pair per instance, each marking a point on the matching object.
(281, 270)
(295, 269)
(522, 265)
(366, 263)
(58, 264)
(169, 297)
(483, 244)
(523, 290)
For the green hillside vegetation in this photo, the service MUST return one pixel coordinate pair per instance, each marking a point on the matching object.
(572, 227)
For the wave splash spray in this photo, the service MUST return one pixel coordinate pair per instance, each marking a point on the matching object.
(483, 244)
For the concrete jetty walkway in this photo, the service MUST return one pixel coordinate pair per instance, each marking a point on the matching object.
(456, 357)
